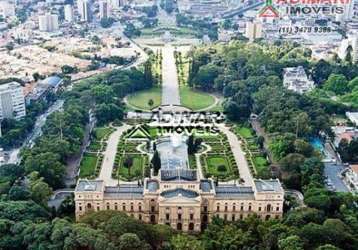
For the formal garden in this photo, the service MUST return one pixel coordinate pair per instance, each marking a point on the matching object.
(91, 162)
(219, 162)
(252, 146)
(130, 163)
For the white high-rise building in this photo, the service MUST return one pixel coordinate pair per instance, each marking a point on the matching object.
(7, 9)
(12, 101)
(349, 11)
(355, 49)
(114, 4)
(48, 22)
(253, 30)
(103, 9)
(69, 17)
(84, 9)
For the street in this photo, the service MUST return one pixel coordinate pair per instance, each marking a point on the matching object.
(332, 169)
(13, 155)
(332, 173)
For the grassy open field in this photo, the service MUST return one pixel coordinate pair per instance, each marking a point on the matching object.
(261, 164)
(245, 132)
(88, 165)
(194, 99)
(140, 99)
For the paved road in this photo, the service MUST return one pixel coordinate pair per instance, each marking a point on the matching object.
(332, 173)
(260, 131)
(73, 163)
(110, 155)
(170, 89)
(14, 154)
(332, 169)
(239, 155)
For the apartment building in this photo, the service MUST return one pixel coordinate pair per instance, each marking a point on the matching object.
(12, 101)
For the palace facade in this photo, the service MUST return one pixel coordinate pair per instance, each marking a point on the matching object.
(178, 198)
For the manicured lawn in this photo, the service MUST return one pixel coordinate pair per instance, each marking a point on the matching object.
(245, 132)
(260, 164)
(101, 132)
(194, 99)
(88, 165)
(192, 162)
(140, 99)
(213, 162)
(153, 131)
(135, 171)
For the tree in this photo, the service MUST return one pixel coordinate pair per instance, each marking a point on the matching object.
(303, 147)
(206, 76)
(312, 172)
(238, 107)
(48, 166)
(36, 76)
(282, 145)
(337, 83)
(353, 84)
(148, 76)
(102, 93)
(185, 242)
(292, 242)
(150, 103)
(128, 163)
(318, 198)
(197, 144)
(106, 22)
(131, 31)
(40, 190)
(168, 5)
(348, 57)
(22, 210)
(321, 71)
(190, 143)
(108, 112)
(292, 162)
(67, 69)
(221, 168)
(227, 24)
(260, 140)
(130, 241)
(156, 163)
(67, 207)
(18, 193)
(95, 39)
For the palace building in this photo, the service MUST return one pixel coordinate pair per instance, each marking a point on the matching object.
(178, 198)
